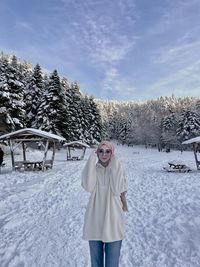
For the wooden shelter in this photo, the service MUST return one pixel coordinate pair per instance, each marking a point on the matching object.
(195, 142)
(30, 135)
(75, 150)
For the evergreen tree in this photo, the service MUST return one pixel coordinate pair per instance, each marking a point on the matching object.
(197, 106)
(16, 89)
(74, 109)
(33, 95)
(129, 130)
(122, 126)
(11, 90)
(168, 122)
(66, 113)
(85, 120)
(25, 68)
(169, 128)
(38, 75)
(5, 120)
(188, 125)
(50, 111)
(29, 96)
(64, 84)
(95, 124)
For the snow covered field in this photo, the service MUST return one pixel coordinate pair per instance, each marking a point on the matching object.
(41, 213)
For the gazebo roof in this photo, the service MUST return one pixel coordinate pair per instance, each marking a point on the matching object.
(76, 143)
(31, 132)
(192, 140)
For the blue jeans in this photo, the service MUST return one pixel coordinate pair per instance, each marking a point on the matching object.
(111, 251)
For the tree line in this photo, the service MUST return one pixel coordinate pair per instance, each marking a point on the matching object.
(30, 98)
(164, 122)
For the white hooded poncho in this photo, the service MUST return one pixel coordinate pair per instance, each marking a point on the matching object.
(104, 214)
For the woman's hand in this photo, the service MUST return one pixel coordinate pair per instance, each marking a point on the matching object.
(124, 202)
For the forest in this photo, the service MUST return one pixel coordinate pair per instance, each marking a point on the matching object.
(31, 98)
(165, 122)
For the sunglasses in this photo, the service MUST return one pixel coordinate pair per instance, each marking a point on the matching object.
(107, 151)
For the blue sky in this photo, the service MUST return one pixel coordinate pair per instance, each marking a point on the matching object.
(119, 49)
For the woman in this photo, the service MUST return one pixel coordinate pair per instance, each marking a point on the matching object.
(105, 179)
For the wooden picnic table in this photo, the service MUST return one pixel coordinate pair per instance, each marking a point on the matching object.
(177, 167)
(28, 165)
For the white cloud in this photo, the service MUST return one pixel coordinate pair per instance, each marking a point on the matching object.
(103, 42)
(108, 51)
(185, 82)
(116, 86)
(180, 10)
(128, 10)
(178, 54)
(176, 17)
(97, 29)
(178, 58)
(91, 39)
(23, 25)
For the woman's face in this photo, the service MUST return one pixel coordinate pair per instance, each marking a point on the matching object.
(104, 154)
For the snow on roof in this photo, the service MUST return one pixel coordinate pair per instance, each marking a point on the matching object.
(192, 140)
(33, 131)
(76, 142)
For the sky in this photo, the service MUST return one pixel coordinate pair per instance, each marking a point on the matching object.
(119, 49)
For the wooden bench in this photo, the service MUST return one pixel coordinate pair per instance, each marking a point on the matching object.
(32, 165)
(28, 165)
(18, 165)
(177, 167)
(73, 158)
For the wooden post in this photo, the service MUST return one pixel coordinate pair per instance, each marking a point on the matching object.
(45, 154)
(68, 153)
(84, 149)
(12, 154)
(195, 155)
(54, 151)
(24, 151)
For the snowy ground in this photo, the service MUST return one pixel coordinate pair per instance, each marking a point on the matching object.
(41, 213)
